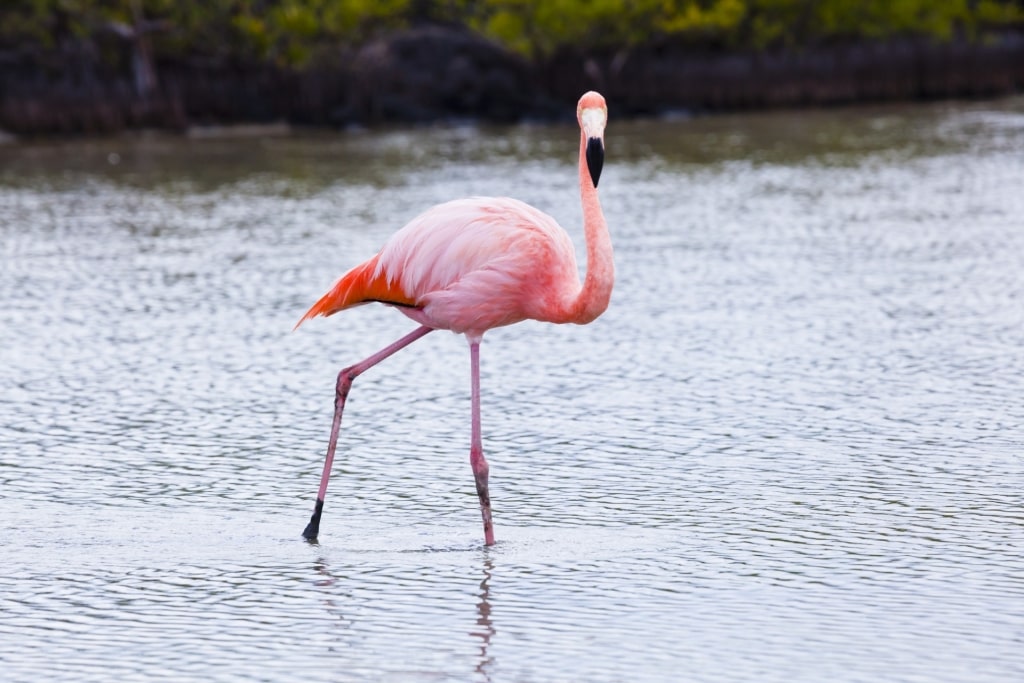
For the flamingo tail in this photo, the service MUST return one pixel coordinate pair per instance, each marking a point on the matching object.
(361, 285)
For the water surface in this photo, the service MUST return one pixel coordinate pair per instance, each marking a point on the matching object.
(790, 451)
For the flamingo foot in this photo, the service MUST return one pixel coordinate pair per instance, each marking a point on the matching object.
(312, 529)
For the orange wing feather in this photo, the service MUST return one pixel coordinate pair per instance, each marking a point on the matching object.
(360, 285)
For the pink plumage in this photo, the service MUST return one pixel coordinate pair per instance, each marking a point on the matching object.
(483, 262)
(473, 264)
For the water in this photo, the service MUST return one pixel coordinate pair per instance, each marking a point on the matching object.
(791, 450)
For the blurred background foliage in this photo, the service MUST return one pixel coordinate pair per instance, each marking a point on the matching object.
(293, 32)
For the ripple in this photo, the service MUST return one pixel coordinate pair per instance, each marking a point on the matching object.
(789, 451)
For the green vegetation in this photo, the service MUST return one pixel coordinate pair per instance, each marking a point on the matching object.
(292, 32)
(538, 27)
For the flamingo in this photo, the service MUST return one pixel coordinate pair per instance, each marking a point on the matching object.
(473, 264)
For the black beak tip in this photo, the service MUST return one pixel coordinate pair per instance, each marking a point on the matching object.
(595, 158)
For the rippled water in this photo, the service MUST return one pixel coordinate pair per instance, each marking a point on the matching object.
(790, 451)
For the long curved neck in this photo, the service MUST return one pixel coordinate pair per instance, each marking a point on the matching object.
(593, 298)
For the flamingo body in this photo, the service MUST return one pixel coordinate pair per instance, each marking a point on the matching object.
(467, 266)
(473, 264)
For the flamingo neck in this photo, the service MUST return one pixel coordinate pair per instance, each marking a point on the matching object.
(596, 292)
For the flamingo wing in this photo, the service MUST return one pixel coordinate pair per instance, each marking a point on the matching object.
(361, 285)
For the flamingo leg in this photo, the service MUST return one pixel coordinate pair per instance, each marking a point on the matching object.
(476, 451)
(345, 378)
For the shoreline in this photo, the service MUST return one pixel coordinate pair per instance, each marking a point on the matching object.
(432, 74)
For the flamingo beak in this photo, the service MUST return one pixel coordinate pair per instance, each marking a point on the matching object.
(592, 121)
(595, 158)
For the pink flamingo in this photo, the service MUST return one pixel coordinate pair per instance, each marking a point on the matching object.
(472, 264)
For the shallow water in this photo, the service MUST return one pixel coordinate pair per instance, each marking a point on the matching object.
(791, 450)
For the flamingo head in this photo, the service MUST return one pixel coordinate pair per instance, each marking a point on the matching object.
(592, 114)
